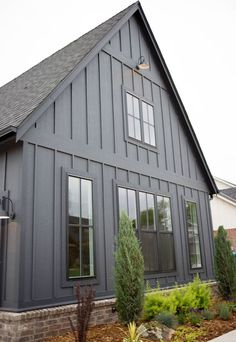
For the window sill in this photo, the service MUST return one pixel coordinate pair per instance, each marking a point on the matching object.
(141, 144)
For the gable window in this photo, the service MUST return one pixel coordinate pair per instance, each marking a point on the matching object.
(140, 118)
(151, 216)
(80, 228)
(193, 235)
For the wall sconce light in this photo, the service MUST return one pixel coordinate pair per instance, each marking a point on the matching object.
(5, 205)
(142, 65)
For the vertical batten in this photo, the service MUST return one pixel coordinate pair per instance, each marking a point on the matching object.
(112, 104)
(171, 136)
(163, 129)
(100, 103)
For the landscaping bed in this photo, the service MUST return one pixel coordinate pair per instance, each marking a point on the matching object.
(116, 332)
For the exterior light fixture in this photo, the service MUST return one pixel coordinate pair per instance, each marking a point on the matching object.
(142, 65)
(5, 205)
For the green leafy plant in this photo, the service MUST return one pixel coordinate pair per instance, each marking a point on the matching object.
(225, 265)
(195, 295)
(195, 318)
(134, 332)
(188, 334)
(129, 273)
(208, 315)
(181, 318)
(167, 318)
(225, 311)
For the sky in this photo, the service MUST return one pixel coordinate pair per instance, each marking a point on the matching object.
(196, 38)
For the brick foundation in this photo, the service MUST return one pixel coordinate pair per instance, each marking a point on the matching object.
(37, 325)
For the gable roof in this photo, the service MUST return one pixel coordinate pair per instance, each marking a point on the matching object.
(229, 193)
(21, 96)
(31, 91)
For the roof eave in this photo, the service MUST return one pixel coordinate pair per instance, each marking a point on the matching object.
(10, 129)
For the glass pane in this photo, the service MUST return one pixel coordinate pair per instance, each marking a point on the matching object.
(167, 254)
(193, 235)
(151, 214)
(86, 199)
(146, 133)
(152, 135)
(143, 210)
(164, 214)
(149, 249)
(150, 115)
(123, 207)
(145, 111)
(136, 107)
(87, 265)
(74, 199)
(129, 104)
(137, 129)
(132, 207)
(74, 252)
(131, 126)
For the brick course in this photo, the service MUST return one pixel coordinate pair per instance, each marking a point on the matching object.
(37, 325)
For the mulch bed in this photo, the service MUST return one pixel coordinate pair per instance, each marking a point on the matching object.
(116, 332)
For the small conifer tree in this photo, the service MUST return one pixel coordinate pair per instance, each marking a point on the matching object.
(129, 273)
(225, 266)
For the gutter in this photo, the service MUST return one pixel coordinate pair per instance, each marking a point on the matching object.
(7, 131)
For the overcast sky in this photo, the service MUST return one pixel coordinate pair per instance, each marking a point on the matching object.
(197, 39)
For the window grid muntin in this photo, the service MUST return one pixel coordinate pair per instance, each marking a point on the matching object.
(80, 227)
(151, 140)
(148, 121)
(156, 232)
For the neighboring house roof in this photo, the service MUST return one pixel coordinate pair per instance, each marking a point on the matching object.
(229, 193)
(223, 184)
(28, 94)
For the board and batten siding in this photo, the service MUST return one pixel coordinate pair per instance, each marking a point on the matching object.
(10, 180)
(84, 130)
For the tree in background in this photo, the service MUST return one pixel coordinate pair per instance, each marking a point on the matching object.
(129, 272)
(225, 265)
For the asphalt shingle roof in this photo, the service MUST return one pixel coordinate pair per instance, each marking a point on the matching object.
(230, 192)
(21, 96)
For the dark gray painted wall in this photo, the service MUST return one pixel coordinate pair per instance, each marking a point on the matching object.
(10, 179)
(85, 131)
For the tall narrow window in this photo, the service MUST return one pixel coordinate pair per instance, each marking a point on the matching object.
(134, 121)
(148, 124)
(148, 232)
(166, 240)
(193, 235)
(80, 228)
(127, 204)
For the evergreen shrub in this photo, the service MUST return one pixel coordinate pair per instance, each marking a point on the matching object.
(225, 265)
(129, 273)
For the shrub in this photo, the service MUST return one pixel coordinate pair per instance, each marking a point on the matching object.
(225, 266)
(84, 308)
(195, 318)
(167, 318)
(129, 273)
(188, 334)
(194, 295)
(208, 315)
(224, 311)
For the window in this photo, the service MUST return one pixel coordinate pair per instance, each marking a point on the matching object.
(167, 257)
(134, 122)
(127, 204)
(151, 217)
(140, 120)
(193, 235)
(148, 124)
(80, 228)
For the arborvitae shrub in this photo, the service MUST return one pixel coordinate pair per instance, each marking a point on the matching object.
(129, 273)
(225, 266)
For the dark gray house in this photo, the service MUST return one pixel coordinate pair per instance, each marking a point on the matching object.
(96, 128)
